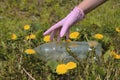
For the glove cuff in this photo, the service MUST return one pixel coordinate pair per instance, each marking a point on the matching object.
(80, 12)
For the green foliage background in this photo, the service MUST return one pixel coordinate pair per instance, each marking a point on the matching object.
(41, 14)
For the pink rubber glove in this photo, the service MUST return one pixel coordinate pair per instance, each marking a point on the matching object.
(64, 25)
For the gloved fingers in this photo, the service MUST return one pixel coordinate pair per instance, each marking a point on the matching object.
(67, 34)
(64, 30)
(55, 32)
(52, 35)
(58, 37)
(57, 25)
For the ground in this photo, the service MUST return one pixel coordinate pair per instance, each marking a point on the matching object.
(15, 64)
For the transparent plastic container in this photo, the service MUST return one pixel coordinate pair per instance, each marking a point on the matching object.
(58, 50)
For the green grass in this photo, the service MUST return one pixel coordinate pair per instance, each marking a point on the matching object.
(41, 14)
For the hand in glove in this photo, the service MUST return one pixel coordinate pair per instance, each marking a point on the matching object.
(64, 25)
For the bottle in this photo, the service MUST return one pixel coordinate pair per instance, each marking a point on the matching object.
(59, 50)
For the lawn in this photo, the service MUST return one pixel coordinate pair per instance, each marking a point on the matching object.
(37, 16)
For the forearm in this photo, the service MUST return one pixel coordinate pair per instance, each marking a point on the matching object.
(89, 5)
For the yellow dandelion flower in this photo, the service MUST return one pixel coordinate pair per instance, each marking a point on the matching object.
(115, 55)
(98, 36)
(117, 29)
(47, 38)
(32, 36)
(13, 36)
(71, 65)
(26, 27)
(61, 69)
(30, 51)
(74, 35)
